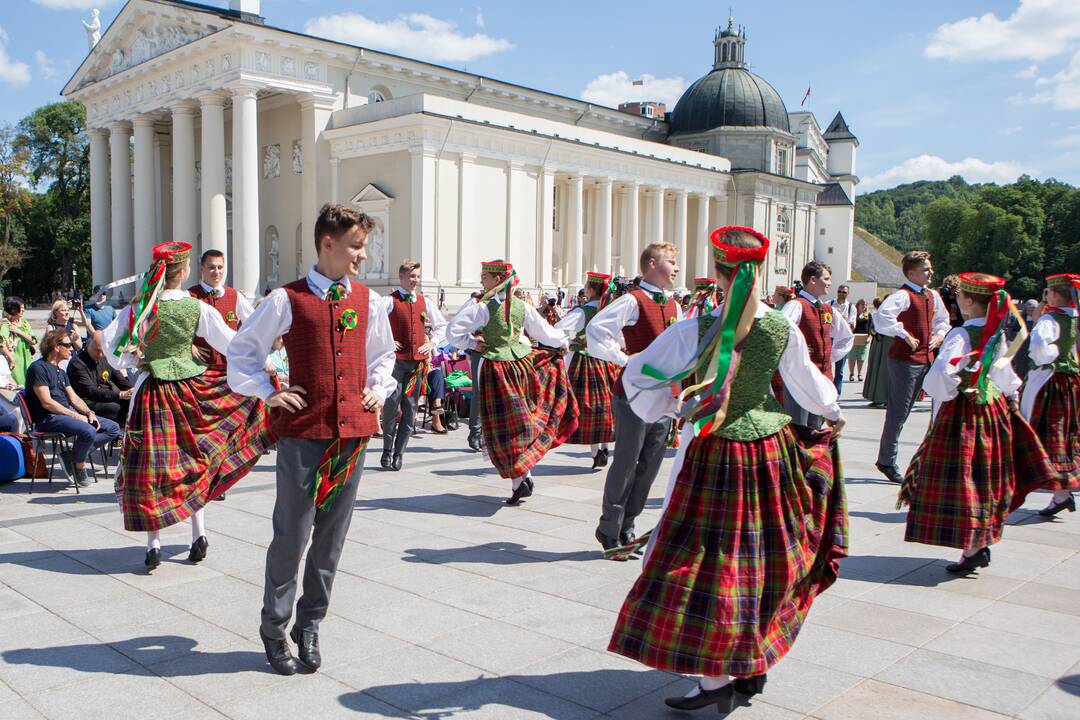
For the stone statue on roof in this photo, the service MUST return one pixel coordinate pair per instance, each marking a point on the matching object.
(93, 28)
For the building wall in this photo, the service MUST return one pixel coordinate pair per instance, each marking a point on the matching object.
(834, 238)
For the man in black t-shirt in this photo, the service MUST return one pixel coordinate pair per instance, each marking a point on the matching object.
(104, 391)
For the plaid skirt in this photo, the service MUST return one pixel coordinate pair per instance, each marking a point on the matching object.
(526, 409)
(591, 381)
(752, 533)
(187, 441)
(962, 479)
(1056, 420)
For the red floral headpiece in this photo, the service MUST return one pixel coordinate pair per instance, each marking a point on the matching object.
(172, 252)
(975, 283)
(728, 255)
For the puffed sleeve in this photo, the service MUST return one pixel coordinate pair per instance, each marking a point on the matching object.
(886, 320)
(212, 328)
(943, 379)
(604, 332)
(542, 331)
(470, 317)
(379, 349)
(111, 337)
(803, 381)
(674, 351)
(1042, 348)
(572, 322)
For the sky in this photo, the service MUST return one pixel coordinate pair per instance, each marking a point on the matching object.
(988, 89)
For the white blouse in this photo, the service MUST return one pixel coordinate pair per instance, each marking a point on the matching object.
(473, 316)
(1042, 350)
(942, 381)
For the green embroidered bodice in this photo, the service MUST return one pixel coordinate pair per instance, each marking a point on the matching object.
(504, 341)
(968, 377)
(1066, 362)
(168, 355)
(579, 344)
(752, 412)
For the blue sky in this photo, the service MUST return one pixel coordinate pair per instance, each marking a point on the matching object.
(983, 88)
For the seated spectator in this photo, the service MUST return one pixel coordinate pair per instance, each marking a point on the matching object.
(54, 406)
(436, 395)
(104, 391)
(9, 411)
(99, 312)
(279, 360)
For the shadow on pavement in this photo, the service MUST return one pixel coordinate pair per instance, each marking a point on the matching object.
(495, 553)
(101, 561)
(475, 506)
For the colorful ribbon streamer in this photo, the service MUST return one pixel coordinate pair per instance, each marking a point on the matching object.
(143, 309)
(333, 472)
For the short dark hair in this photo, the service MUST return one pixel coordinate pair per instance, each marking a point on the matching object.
(12, 306)
(211, 253)
(913, 259)
(843, 288)
(813, 269)
(336, 219)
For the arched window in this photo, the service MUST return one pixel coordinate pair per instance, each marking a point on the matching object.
(723, 57)
(783, 222)
(378, 94)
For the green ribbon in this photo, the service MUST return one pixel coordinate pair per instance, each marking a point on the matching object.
(659, 298)
(336, 292)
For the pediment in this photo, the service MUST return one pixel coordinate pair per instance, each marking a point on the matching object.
(371, 194)
(143, 30)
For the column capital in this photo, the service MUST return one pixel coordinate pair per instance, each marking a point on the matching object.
(680, 192)
(212, 98)
(335, 162)
(423, 151)
(183, 107)
(100, 133)
(145, 120)
(120, 127)
(702, 195)
(467, 157)
(243, 88)
(321, 101)
(604, 181)
(514, 165)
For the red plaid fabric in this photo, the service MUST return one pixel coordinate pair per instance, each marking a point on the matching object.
(917, 320)
(226, 306)
(526, 409)
(187, 442)
(1056, 420)
(753, 532)
(591, 381)
(962, 478)
(815, 323)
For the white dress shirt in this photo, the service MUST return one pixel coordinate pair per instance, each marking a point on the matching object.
(273, 318)
(942, 381)
(886, 317)
(603, 334)
(842, 337)
(473, 316)
(438, 322)
(244, 307)
(572, 323)
(1042, 350)
(846, 308)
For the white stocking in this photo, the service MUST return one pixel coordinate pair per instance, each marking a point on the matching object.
(708, 683)
(153, 540)
(198, 524)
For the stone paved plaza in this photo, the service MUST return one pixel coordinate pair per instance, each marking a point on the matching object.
(450, 605)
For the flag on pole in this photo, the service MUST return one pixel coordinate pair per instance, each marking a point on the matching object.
(806, 96)
(637, 82)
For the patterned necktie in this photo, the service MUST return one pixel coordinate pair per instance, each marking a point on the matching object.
(659, 298)
(336, 292)
(409, 297)
(217, 292)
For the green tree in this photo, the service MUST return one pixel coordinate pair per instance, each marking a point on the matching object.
(14, 197)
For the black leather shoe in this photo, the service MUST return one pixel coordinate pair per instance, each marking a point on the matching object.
(395, 463)
(892, 473)
(1054, 509)
(609, 544)
(605, 454)
(220, 498)
(386, 460)
(980, 559)
(198, 550)
(307, 643)
(524, 490)
(723, 698)
(474, 441)
(626, 537)
(279, 655)
(749, 686)
(153, 558)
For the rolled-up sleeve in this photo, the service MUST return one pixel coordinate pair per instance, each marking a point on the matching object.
(602, 334)
(886, 319)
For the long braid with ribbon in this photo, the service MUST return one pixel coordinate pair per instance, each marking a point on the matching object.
(985, 351)
(142, 320)
(506, 285)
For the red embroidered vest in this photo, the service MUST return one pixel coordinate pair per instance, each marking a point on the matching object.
(917, 320)
(816, 326)
(407, 323)
(226, 307)
(653, 319)
(330, 364)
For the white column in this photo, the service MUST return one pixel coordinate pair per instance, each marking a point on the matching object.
(245, 153)
(422, 235)
(513, 208)
(335, 180)
(314, 116)
(467, 270)
(100, 206)
(184, 213)
(575, 229)
(602, 244)
(123, 263)
(146, 236)
(546, 231)
(630, 248)
(679, 240)
(703, 262)
(655, 232)
(215, 231)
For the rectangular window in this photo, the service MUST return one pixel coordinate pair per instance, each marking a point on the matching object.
(822, 231)
(830, 250)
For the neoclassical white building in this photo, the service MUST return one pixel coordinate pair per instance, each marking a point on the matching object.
(212, 126)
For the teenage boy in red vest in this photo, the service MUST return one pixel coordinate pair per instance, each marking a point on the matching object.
(341, 363)
(917, 318)
(410, 315)
(638, 317)
(828, 336)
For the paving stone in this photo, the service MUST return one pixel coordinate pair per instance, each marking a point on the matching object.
(881, 701)
(308, 696)
(128, 695)
(1058, 702)
(996, 647)
(1046, 597)
(1037, 624)
(498, 647)
(846, 651)
(19, 710)
(883, 622)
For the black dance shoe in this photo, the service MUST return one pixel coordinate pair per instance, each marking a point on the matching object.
(220, 498)
(626, 537)
(279, 655)
(980, 559)
(890, 472)
(524, 490)
(723, 698)
(307, 642)
(198, 550)
(609, 544)
(600, 459)
(749, 686)
(474, 441)
(395, 463)
(1054, 509)
(153, 558)
(386, 460)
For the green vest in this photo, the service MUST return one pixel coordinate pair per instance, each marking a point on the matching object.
(968, 377)
(168, 355)
(1066, 362)
(752, 412)
(502, 340)
(579, 344)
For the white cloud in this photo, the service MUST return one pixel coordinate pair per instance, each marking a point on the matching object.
(479, 19)
(46, 69)
(1016, 99)
(1013, 130)
(1062, 88)
(1037, 30)
(15, 74)
(932, 167)
(1028, 73)
(414, 35)
(74, 4)
(617, 87)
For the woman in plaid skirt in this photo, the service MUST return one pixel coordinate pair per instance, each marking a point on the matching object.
(754, 521)
(189, 438)
(590, 378)
(525, 403)
(1051, 397)
(961, 481)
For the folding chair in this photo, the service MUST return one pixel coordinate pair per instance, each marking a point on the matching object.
(39, 438)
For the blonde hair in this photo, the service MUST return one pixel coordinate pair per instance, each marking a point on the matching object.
(653, 252)
(408, 265)
(56, 308)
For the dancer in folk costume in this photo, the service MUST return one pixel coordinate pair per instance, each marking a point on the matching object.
(410, 317)
(962, 478)
(592, 380)
(754, 521)
(706, 298)
(526, 404)
(341, 363)
(1051, 398)
(638, 318)
(189, 437)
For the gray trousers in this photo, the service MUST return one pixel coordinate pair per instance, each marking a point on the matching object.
(639, 450)
(396, 434)
(474, 404)
(800, 415)
(296, 520)
(905, 384)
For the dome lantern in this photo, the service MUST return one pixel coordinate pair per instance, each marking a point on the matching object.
(729, 46)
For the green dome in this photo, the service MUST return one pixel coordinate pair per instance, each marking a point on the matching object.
(729, 97)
